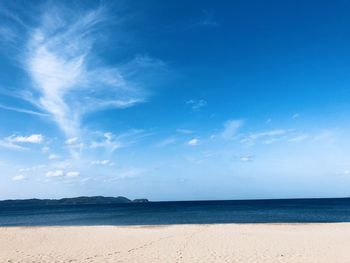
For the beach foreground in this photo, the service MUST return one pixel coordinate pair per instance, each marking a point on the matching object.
(178, 243)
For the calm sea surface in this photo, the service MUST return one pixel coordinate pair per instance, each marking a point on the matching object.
(196, 212)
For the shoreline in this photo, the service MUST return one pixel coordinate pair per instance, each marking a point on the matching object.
(270, 242)
(170, 225)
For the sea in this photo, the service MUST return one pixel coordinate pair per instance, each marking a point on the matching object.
(184, 212)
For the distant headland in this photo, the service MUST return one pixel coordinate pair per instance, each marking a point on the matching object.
(81, 200)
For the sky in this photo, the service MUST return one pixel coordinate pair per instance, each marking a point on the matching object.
(175, 100)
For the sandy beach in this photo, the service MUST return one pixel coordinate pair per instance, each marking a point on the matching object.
(178, 243)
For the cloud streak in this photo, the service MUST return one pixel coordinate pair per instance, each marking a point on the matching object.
(34, 138)
(5, 107)
(13, 141)
(231, 128)
(60, 173)
(68, 79)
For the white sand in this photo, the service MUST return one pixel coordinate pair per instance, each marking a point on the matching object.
(179, 243)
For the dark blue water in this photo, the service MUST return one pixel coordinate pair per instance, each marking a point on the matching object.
(199, 212)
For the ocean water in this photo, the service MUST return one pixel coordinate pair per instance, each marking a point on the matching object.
(191, 212)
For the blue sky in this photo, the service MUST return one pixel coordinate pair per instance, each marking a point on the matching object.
(174, 100)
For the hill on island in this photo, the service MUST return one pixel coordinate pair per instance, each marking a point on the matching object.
(81, 200)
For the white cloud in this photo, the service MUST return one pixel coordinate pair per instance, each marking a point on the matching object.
(108, 142)
(34, 138)
(231, 128)
(61, 173)
(18, 177)
(299, 138)
(246, 158)
(101, 162)
(68, 81)
(12, 141)
(196, 104)
(72, 174)
(193, 142)
(71, 141)
(56, 173)
(53, 157)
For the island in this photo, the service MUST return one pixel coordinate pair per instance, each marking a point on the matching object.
(81, 200)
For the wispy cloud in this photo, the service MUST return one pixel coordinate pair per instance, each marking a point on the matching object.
(13, 141)
(10, 34)
(246, 158)
(193, 142)
(295, 115)
(11, 145)
(197, 104)
(71, 141)
(61, 173)
(66, 164)
(56, 60)
(32, 169)
(127, 174)
(53, 157)
(56, 173)
(108, 142)
(184, 131)
(34, 138)
(45, 149)
(19, 177)
(7, 34)
(72, 174)
(270, 133)
(231, 128)
(166, 142)
(299, 138)
(207, 19)
(265, 137)
(111, 142)
(102, 162)
(67, 77)
(5, 107)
